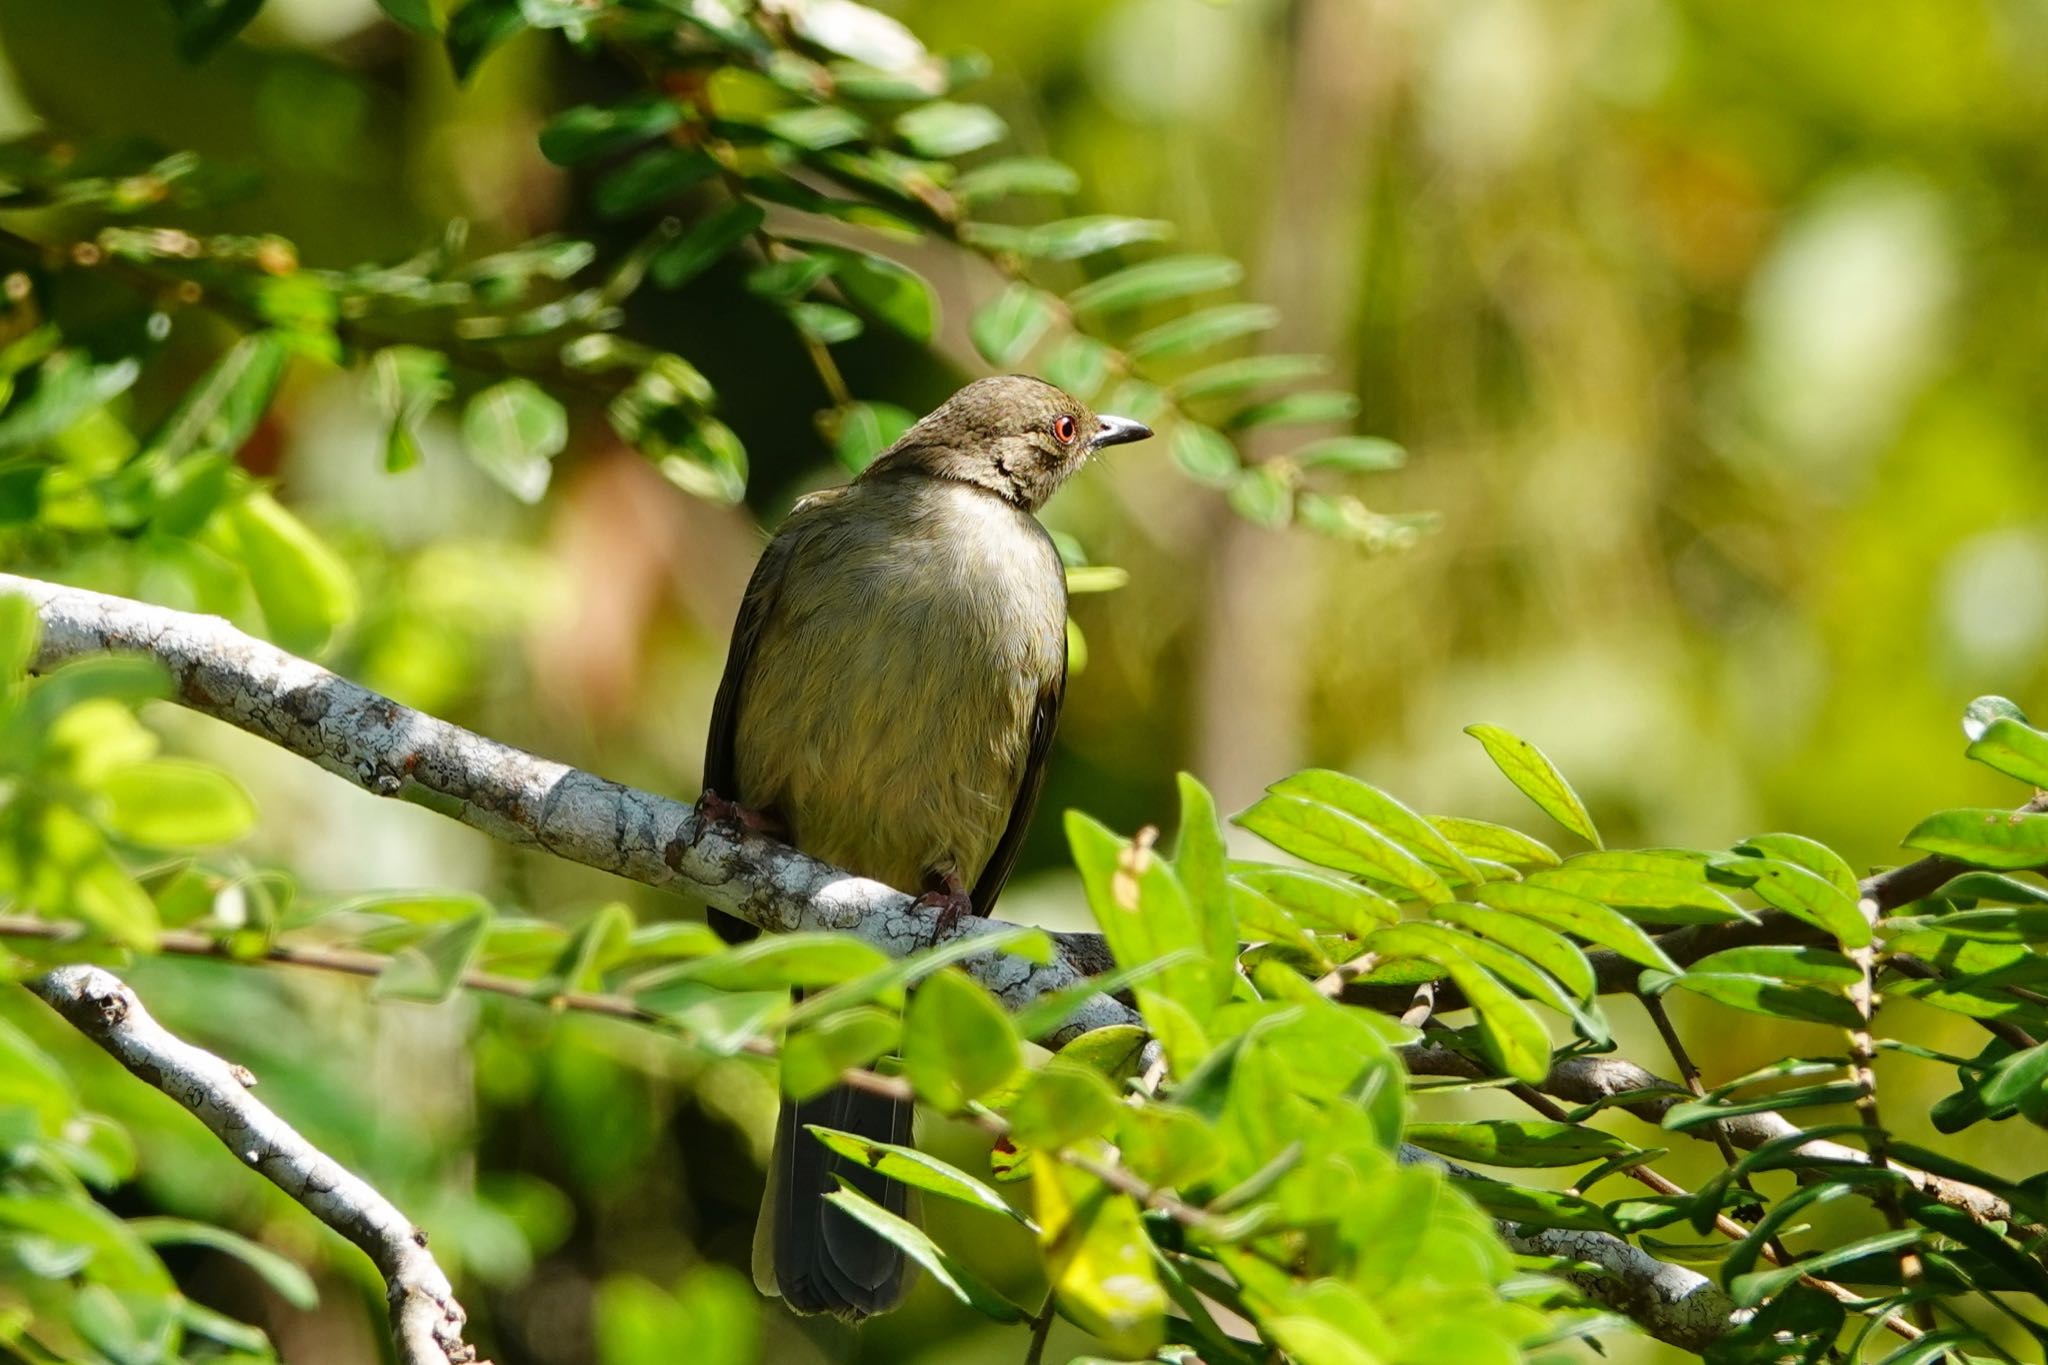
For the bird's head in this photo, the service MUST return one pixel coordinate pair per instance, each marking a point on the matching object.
(1016, 436)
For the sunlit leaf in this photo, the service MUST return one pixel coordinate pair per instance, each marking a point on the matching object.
(176, 803)
(911, 1167)
(814, 1060)
(1169, 277)
(943, 129)
(1010, 324)
(1334, 839)
(1099, 1258)
(958, 1042)
(1517, 1142)
(1537, 778)
(307, 593)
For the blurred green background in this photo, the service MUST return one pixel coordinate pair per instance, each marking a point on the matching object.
(1714, 333)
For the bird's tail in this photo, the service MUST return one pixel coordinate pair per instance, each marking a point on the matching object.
(817, 1257)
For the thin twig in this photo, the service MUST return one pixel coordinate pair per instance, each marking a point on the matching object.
(1862, 1056)
(426, 1320)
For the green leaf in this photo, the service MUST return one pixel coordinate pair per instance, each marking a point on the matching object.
(408, 381)
(1331, 838)
(1249, 372)
(890, 291)
(1537, 778)
(1363, 801)
(2014, 748)
(1099, 1259)
(1090, 578)
(1298, 409)
(1576, 915)
(597, 943)
(1771, 996)
(1351, 454)
(1201, 330)
(908, 1166)
(943, 129)
(593, 130)
(709, 462)
(1061, 1104)
(2016, 1078)
(1323, 902)
(955, 1277)
(1169, 277)
(1072, 239)
(417, 15)
(476, 28)
(68, 386)
(1145, 915)
(513, 430)
(1517, 1142)
(1015, 175)
(814, 1060)
(223, 408)
(1551, 951)
(1515, 1038)
(1078, 364)
(1263, 494)
(708, 239)
(1010, 324)
(1200, 861)
(306, 592)
(888, 981)
(431, 969)
(20, 629)
(1537, 1208)
(1803, 894)
(655, 176)
(290, 1283)
(1754, 1288)
(204, 25)
(1815, 966)
(816, 127)
(779, 961)
(1655, 895)
(1205, 454)
(1496, 843)
(2000, 839)
(176, 803)
(823, 323)
(868, 429)
(958, 1042)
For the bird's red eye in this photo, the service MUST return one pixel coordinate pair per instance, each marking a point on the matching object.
(1063, 429)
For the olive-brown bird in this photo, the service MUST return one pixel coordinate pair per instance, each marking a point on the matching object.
(888, 704)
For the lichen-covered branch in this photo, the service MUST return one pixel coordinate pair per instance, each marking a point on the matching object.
(395, 751)
(426, 1321)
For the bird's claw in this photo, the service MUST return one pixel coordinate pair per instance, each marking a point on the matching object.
(735, 819)
(952, 902)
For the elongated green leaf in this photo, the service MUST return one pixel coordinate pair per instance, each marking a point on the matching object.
(887, 289)
(1168, 277)
(1653, 895)
(1537, 778)
(780, 961)
(223, 408)
(710, 238)
(1099, 1258)
(596, 944)
(1298, 409)
(813, 1060)
(653, 177)
(1577, 915)
(1351, 454)
(2014, 748)
(1363, 801)
(1079, 364)
(1810, 854)
(305, 590)
(1205, 454)
(1811, 966)
(1144, 914)
(958, 1042)
(1753, 1288)
(816, 127)
(1062, 1104)
(1263, 494)
(176, 803)
(291, 1283)
(1015, 175)
(1481, 839)
(2016, 1078)
(478, 26)
(941, 1265)
(1515, 1038)
(1069, 239)
(1537, 1208)
(431, 969)
(514, 430)
(1249, 372)
(1317, 899)
(1199, 331)
(1331, 838)
(1803, 894)
(1770, 996)
(1693, 1113)
(1010, 324)
(1200, 861)
(1550, 950)
(914, 1168)
(593, 130)
(868, 429)
(2000, 839)
(1517, 1142)
(942, 129)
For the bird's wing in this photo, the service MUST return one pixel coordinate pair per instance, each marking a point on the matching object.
(1045, 718)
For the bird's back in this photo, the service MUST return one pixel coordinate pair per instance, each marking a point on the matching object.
(888, 705)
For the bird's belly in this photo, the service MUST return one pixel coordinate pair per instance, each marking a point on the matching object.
(889, 729)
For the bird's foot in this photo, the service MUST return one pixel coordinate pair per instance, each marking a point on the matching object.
(951, 900)
(732, 817)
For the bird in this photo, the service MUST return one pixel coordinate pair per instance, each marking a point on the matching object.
(888, 706)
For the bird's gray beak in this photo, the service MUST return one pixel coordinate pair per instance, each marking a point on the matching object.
(1116, 431)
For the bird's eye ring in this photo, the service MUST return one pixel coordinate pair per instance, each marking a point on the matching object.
(1063, 429)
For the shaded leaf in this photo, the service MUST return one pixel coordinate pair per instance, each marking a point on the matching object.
(1010, 324)
(1169, 277)
(958, 1042)
(943, 1267)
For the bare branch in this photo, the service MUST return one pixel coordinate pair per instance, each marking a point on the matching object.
(395, 751)
(426, 1321)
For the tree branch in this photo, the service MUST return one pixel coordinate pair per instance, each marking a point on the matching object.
(426, 1321)
(395, 751)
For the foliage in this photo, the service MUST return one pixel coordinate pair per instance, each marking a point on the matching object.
(823, 154)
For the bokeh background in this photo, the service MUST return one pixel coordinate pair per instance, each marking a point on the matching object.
(1715, 335)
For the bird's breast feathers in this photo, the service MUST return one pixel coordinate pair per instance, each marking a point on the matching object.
(888, 706)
